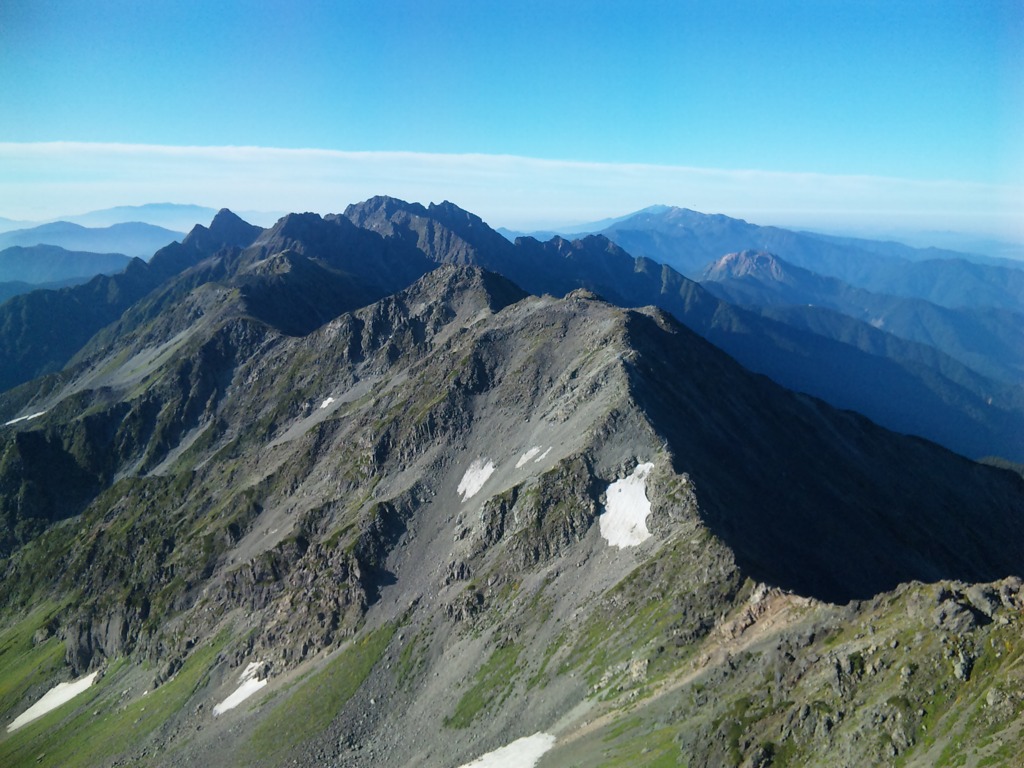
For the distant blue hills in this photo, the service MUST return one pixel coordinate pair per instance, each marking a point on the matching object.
(178, 217)
(134, 239)
(46, 264)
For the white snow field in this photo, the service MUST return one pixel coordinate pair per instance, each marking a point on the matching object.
(521, 753)
(527, 456)
(624, 521)
(327, 401)
(24, 418)
(53, 698)
(475, 477)
(532, 454)
(248, 686)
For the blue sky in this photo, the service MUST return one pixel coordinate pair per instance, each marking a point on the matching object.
(529, 113)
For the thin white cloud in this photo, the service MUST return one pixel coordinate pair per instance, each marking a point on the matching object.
(43, 180)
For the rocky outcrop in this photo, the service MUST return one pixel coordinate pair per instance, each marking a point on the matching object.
(541, 520)
(88, 639)
(304, 598)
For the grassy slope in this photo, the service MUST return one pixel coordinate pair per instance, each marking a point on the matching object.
(878, 687)
(98, 725)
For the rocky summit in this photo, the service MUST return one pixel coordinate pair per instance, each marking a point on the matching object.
(342, 493)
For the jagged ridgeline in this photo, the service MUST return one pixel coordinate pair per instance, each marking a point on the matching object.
(341, 492)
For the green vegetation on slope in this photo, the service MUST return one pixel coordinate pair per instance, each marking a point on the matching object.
(97, 726)
(489, 688)
(29, 656)
(317, 700)
(929, 675)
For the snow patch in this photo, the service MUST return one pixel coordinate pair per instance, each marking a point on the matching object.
(24, 418)
(624, 521)
(531, 454)
(248, 686)
(475, 477)
(527, 456)
(326, 402)
(521, 753)
(53, 698)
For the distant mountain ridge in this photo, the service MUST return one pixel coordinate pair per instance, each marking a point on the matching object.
(180, 217)
(176, 217)
(989, 340)
(133, 239)
(688, 240)
(51, 263)
(9, 224)
(17, 287)
(930, 252)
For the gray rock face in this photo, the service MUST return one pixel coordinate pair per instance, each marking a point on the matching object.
(95, 640)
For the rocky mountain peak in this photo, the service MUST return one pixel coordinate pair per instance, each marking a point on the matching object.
(444, 233)
(226, 229)
(465, 284)
(452, 214)
(280, 263)
(602, 243)
(380, 208)
(294, 228)
(749, 262)
(582, 294)
(231, 229)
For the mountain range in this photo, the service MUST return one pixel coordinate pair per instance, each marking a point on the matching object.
(38, 264)
(688, 241)
(177, 217)
(173, 216)
(384, 488)
(133, 238)
(986, 339)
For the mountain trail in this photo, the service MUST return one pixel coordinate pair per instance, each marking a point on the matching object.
(769, 613)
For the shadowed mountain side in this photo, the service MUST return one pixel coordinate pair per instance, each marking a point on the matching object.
(902, 396)
(953, 283)
(380, 265)
(41, 330)
(816, 500)
(989, 340)
(299, 274)
(295, 294)
(17, 288)
(920, 357)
